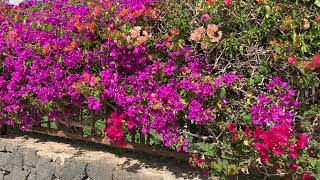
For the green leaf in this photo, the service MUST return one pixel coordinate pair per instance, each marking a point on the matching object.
(317, 3)
(223, 93)
(268, 11)
(183, 93)
(218, 167)
(258, 79)
(241, 50)
(233, 169)
(294, 37)
(251, 82)
(300, 170)
(96, 94)
(277, 50)
(265, 69)
(204, 148)
(38, 24)
(183, 101)
(313, 163)
(248, 103)
(246, 117)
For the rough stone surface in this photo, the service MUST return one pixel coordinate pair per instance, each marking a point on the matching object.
(17, 173)
(2, 173)
(95, 171)
(123, 174)
(2, 148)
(73, 169)
(5, 161)
(32, 175)
(30, 157)
(44, 169)
(37, 158)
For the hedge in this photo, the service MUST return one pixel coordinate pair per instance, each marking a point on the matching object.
(235, 83)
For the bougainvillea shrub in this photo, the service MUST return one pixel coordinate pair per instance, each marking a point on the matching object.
(233, 83)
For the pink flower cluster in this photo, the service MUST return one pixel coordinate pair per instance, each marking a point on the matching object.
(279, 140)
(114, 129)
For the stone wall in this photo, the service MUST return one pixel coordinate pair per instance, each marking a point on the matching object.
(34, 157)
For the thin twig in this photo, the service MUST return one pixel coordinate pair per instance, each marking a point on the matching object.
(200, 137)
(114, 108)
(217, 60)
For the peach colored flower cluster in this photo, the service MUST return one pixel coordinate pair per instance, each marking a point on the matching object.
(197, 34)
(138, 36)
(212, 32)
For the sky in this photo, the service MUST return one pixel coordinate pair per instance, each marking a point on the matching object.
(15, 2)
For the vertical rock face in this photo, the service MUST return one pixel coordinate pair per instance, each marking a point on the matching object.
(36, 159)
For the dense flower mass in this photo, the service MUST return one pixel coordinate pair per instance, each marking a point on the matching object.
(59, 67)
(205, 77)
(278, 109)
(277, 140)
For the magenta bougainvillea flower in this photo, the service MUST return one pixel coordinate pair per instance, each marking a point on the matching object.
(277, 109)
(94, 104)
